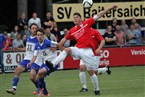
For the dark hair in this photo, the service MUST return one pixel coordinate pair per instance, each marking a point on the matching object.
(33, 24)
(40, 30)
(78, 14)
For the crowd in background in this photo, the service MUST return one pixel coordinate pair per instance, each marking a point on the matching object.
(115, 34)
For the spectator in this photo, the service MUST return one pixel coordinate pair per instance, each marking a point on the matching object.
(26, 31)
(124, 28)
(138, 33)
(14, 32)
(114, 23)
(24, 38)
(48, 22)
(2, 39)
(56, 32)
(49, 35)
(7, 45)
(35, 20)
(109, 36)
(22, 21)
(17, 42)
(67, 43)
(120, 36)
(133, 20)
(132, 35)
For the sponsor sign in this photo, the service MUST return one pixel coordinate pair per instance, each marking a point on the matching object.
(12, 59)
(129, 56)
(125, 10)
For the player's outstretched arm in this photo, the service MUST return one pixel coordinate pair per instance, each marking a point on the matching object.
(100, 14)
(61, 43)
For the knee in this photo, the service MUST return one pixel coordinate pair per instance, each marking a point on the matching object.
(82, 69)
(68, 50)
(18, 71)
(32, 78)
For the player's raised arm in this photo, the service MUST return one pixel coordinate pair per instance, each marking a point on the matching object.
(100, 14)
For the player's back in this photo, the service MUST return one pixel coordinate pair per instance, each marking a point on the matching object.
(30, 45)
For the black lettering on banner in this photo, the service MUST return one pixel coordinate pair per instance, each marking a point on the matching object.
(68, 13)
(18, 58)
(94, 12)
(142, 11)
(120, 14)
(9, 59)
(23, 55)
(126, 12)
(136, 12)
(131, 12)
(60, 13)
(99, 9)
(113, 14)
(86, 12)
(102, 10)
(108, 14)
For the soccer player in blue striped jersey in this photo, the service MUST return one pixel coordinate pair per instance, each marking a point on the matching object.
(22, 67)
(42, 52)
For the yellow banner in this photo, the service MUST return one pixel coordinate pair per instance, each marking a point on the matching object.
(125, 10)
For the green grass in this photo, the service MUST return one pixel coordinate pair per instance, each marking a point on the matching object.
(123, 82)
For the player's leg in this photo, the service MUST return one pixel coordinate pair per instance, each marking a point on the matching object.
(33, 72)
(103, 69)
(82, 76)
(94, 80)
(59, 58)
(90, 61)
(19, 69)
(40, 77)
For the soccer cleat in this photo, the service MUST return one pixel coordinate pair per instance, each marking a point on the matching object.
(108, 71)
(45, 94)
(50, 66)
(11, 91)
(97, 92)
(36, 91)
(83, 90)
(41, 93)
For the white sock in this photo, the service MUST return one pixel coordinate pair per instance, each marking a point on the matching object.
(59, 58)
(102, 70)
(94, 80)
(83, 81)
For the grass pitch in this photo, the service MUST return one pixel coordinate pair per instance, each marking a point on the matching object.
(123, 82)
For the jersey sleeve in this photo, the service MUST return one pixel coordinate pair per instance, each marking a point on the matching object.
(36, 50)
(53, 44)
(90, 21)
(69, 36)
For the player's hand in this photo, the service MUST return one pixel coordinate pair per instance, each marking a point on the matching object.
(98, 51)
(113, 7)
(28, 65)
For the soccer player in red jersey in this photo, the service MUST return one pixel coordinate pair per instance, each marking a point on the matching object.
(84, 49)
(97, 38)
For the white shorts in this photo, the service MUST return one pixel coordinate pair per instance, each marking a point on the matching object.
(98, 61)
(87, 57)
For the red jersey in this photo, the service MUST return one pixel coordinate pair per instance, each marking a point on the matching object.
(96, 39)
(82, 34)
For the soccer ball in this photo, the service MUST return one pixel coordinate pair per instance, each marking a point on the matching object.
(87, 3)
